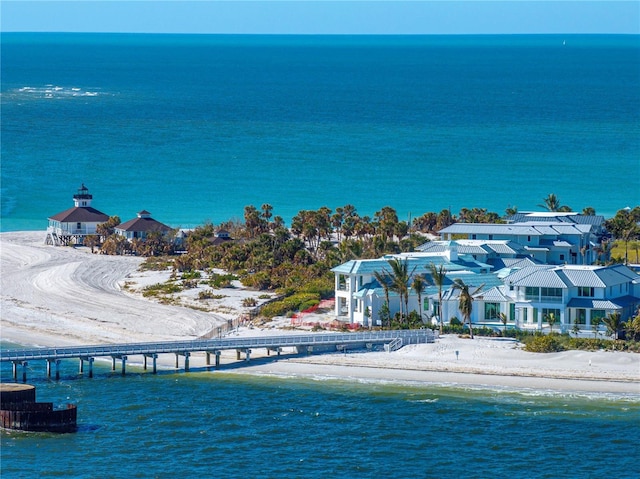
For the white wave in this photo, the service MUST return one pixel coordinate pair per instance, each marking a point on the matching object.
(51, 91)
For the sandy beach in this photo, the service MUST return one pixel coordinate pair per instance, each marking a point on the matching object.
(56, 296)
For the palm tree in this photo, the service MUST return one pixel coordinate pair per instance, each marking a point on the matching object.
(503, 320)
(465, 302)
(613, 322)
(438, 275)
(552, 203)
(511, 210)
(400, 281)
(383, 278)
(632, 327)
(418, 285)
(551, 319)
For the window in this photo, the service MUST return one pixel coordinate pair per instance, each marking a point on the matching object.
(561, 257)
(546, 312)
(491, 310)
(597, 315)
(425, 304)
(78, 226)
(585, 291)
(531, 293)
(553, 295)
(512, 312)
(581, 316)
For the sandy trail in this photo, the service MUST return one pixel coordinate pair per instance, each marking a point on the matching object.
(74, 297)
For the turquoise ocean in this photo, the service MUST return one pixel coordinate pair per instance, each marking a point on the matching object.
(193, 128)
(196, 127)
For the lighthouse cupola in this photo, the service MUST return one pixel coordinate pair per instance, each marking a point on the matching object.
(82, 199)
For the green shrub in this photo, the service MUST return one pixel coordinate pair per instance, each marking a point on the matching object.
(161, 288)
(454, 321)
(221, 280)
(544, 344)
(191, 275)
(249, 302)
(208, 294)
(290, 303)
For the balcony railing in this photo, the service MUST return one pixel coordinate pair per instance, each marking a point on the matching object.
(551, 299)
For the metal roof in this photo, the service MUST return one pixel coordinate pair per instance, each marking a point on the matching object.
(490, 228)
(494, 294)
(615, 303)
(529, 228)
(418, 261)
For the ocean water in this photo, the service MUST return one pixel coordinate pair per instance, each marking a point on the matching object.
(194, 128)
(228, 425)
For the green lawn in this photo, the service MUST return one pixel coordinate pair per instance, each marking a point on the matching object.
(633, 249)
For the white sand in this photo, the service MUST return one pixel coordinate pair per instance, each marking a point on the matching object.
(67, 296)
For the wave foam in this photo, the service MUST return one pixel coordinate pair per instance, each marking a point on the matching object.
(51, 92)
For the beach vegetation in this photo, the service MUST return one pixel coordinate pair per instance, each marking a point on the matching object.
(249, 302)
(159, 289)
(115, 245)
(438, 276)
(552, 203)
(209, 294)
(454, 321)
(191, 275)
(544, 343)
(624, 228)
(219, 281)
(613, 322)
(293, 303)
(465, 301)
(91, 241)
(631, 327)
(108, 228)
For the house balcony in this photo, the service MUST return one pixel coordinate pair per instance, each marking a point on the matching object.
(542, 299)
(551, 299)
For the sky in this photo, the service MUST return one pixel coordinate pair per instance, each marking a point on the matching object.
(322, 16)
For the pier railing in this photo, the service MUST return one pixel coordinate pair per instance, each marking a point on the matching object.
(200, 345)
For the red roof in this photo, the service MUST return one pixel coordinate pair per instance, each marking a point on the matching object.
(80, 215)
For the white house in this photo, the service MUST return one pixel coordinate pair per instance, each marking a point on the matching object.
(72, 225)
(141, 226)
(359, 296)
(574, 294)
(525, 292)
(544, 241)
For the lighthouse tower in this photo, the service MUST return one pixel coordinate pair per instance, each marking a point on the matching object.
(71, 226)
(82, 199)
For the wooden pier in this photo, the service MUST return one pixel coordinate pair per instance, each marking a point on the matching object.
(304, 343)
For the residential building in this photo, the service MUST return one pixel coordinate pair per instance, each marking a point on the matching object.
(546, 242)
(528, 294)
(141, 226)
(359, 295)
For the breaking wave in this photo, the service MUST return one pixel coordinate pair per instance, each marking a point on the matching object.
(50, 92)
